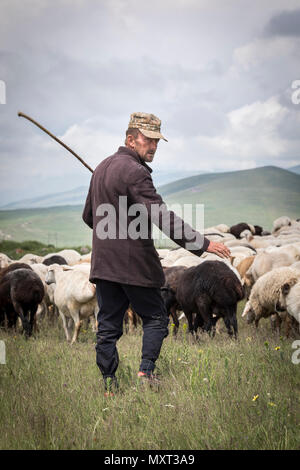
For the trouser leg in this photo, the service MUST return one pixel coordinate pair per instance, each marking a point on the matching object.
(113, 304)
(149, 305)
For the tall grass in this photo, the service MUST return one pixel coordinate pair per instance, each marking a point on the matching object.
(216, 393)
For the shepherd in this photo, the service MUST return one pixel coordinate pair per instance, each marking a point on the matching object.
(127, 269)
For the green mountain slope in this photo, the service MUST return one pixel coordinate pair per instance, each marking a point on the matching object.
(60, 226)
(73, 197)
(256, 196)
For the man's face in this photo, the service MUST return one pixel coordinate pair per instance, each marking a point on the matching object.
(145, 147)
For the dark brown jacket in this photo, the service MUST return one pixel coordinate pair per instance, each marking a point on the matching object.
(126, 260)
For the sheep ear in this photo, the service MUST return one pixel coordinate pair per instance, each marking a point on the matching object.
(67, 268)
(285, 289)
(246, 309)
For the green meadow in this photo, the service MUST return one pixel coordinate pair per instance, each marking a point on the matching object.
(216, 393)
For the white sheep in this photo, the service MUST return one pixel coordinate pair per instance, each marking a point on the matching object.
(267, 261)
(74, 296)
(245, 233)
(291, 301)
(163, 252)
(86, 258)
(48, 300)
(293, 249)
(265, 296)
(222, 228)
(281, 222)
(188, 261)
(30, 259)
(296, 265)
(174, 255)
(4, 261)
(262, 242)
(71, 256)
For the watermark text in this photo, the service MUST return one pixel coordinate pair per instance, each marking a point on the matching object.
(2, 92)
(296, 353)
(2, 353)
(296, 93)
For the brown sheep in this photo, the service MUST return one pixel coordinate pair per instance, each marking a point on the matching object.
(169, 290)
(242, 268)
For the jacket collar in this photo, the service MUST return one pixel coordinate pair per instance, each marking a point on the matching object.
(127, 151)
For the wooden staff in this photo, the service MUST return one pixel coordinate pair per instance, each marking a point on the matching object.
(57, 140)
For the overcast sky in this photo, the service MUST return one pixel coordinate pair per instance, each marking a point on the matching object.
(217, 73)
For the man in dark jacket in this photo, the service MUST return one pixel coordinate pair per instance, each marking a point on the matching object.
(125, 265)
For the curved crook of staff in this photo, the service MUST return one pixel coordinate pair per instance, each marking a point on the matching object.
(55, 138)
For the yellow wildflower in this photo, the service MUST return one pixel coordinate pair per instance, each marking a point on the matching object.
(255, 397)
(271, 403)
(277, 348)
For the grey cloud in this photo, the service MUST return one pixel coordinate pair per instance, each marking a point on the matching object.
(285, 23)
(90, 64)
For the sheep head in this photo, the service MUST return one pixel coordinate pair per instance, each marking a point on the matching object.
(249, 313)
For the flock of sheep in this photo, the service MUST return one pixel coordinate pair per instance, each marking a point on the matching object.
(264, 268)
(266, 265)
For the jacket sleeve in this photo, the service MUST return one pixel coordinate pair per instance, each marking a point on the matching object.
(142, 191)
(87, 214)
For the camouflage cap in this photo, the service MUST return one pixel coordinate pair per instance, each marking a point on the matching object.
(147, 124)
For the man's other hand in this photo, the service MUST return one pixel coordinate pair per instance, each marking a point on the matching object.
(219, 249)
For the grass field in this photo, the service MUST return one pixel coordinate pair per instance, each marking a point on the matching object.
(58, 226)
(216, 393)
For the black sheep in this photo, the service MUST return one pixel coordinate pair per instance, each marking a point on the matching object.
(12, 267)
(21, 291)
(54, 259)
(237, 229)
(258, 230)
(4, 271)
(210, 290)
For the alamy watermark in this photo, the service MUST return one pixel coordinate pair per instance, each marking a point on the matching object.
(2, 352)
(2, 92)
(134, 221)
(296, 93)
(296, 354)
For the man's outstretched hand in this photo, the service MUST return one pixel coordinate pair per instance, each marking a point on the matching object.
(219, 249)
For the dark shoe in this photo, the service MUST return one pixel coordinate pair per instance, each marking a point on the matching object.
(150, 380)
(111, 386)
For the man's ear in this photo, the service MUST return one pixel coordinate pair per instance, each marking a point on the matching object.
(130, 141)
(285, 289)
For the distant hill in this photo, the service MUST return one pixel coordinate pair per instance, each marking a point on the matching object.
(295, 169)
(77, 195)
(257, 196)
(167, 183)
(73, 197)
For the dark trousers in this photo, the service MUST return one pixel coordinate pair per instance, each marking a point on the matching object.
(114, 299)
